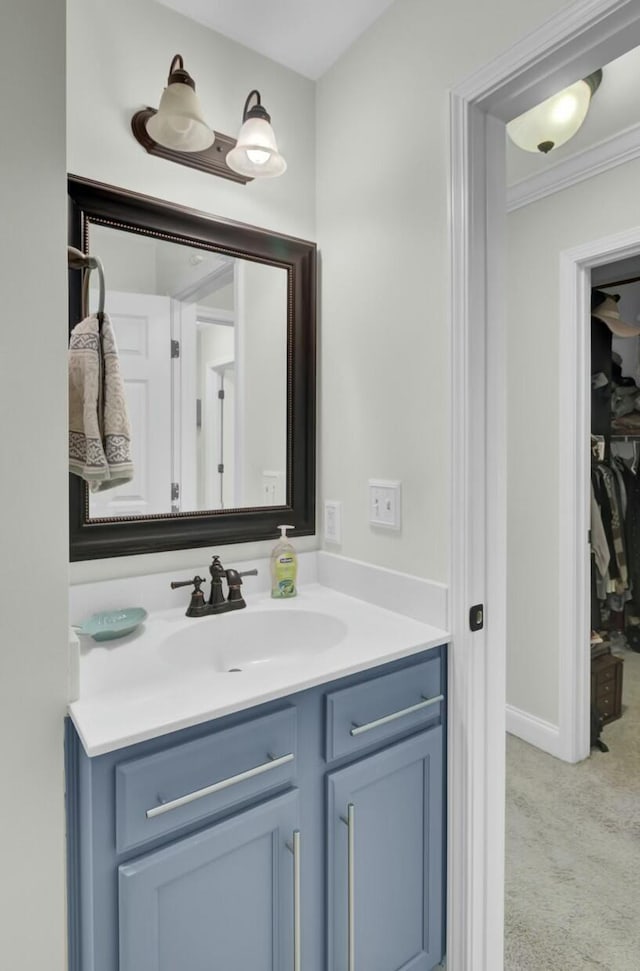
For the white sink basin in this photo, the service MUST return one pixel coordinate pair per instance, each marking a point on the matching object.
(246, 640)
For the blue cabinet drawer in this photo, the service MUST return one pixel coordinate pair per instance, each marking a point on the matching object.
(366, 714)
(162, 792)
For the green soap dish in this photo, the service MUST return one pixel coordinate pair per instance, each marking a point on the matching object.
(111, 624)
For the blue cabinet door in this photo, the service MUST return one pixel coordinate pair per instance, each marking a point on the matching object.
(385, 859)
(221, 898)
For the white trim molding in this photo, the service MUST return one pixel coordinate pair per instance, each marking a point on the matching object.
(607, 154)
(574, 463)
(534, 730)
(578, 40)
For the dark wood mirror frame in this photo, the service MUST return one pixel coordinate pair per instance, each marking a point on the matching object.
(93, 202)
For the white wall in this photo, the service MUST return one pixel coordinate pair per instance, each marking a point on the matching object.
(264, 375)
(33, 486)
(129, 261)
(119, 52)
(383, 231)
(606, 204)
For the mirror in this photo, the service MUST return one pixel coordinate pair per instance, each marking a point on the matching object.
(215, 326)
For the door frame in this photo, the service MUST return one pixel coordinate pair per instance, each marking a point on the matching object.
(215, 374)
(574, 385)
(577, 41)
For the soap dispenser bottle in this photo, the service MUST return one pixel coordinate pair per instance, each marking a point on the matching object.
(284, 566)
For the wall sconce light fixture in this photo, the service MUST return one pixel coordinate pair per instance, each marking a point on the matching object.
(178, 123)
(256, 152)
(177, 131)
(554, 121)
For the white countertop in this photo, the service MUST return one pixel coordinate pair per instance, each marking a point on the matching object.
(130, 691)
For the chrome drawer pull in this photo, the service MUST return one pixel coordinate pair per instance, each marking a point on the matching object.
(425, 703)
(166, 807)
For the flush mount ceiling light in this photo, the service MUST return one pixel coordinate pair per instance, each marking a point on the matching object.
(556, 120)
(177, 131)
(256, 152)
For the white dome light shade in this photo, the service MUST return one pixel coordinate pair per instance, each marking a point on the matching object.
(256, 152)
(556, 120)
(178, 122)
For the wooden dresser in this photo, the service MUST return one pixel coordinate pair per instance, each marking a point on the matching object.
(606, 686)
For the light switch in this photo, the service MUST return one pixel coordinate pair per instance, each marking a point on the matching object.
(384, 503)
(333, 521)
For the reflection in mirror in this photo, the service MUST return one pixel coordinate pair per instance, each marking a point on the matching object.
(202, 339)
(224, 432)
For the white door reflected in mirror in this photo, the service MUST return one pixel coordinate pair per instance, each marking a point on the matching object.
(202, 339)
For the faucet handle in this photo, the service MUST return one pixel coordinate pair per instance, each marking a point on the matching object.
(196, 605)
(196, 583)
(235, 600)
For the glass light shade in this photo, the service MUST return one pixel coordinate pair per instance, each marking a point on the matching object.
(178, 122)
(256, 152)
(553, 122)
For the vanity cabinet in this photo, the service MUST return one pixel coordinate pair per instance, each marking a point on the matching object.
(306, 834)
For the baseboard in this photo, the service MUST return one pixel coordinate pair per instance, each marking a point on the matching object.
(535, 731)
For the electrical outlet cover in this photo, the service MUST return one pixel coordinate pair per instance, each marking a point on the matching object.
(333, 521)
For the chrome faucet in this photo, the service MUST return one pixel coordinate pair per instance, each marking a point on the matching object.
(217, 603)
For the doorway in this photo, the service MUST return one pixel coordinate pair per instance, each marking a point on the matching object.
(578, 265)
(576, 42)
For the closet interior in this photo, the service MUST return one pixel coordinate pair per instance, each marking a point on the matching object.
(615, 487)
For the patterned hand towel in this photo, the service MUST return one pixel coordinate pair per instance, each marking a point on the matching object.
(99, 429)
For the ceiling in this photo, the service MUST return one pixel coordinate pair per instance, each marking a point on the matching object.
(303, 35)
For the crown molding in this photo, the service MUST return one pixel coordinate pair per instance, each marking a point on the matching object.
(620, 148)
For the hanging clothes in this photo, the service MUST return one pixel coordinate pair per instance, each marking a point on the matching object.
(632, 529)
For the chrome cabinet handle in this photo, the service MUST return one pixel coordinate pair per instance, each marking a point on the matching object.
(297, 949)
(166, 807)
(350, 823)
(425, 703)
(351, 890)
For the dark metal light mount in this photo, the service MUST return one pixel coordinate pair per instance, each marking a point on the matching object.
(178, 74)
(212, 160)
(256, 110)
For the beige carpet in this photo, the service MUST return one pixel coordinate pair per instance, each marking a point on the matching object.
(573, 851)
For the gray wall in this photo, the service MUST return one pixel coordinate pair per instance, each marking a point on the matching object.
(33, 485)
(537, 234)
(383, 147)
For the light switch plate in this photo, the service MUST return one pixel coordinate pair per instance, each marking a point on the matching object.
(333, 521)
(269, 486)
(384, 503)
